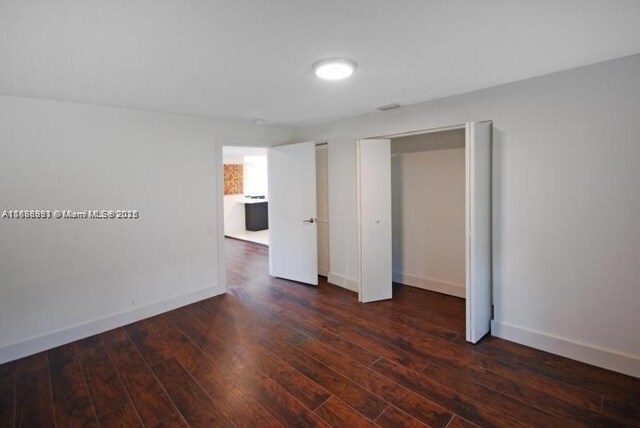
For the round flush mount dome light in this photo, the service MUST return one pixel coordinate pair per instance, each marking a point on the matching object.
(334, 68)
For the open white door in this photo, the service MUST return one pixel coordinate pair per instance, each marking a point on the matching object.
(293, 250)
(374, 213)
(478, 219)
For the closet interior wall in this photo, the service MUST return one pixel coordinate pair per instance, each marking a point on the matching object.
(428, 199)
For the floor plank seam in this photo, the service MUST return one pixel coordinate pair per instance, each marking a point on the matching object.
(450, 420)
(53, 407)
(284, 325)
(534, 371)
(86, 383)
(560, 382)
(382, 412)
(374, 363)
(467, 397)
(124, 386)
(211, 358)
(509, 364)
(514, 398)
(358, 329)
(15, 394)
(206, 393)
(153, 373)
(323, 403)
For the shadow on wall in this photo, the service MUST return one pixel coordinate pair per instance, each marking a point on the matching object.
(397, 212)
(496, 216)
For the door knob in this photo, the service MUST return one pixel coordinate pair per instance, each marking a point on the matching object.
(310, 221)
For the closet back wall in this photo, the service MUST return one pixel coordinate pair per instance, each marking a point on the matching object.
(428, 190)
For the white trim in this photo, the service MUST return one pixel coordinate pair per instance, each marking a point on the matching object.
(81, 331)
(422, 131)
(219, 191)
(342, 281)
(468, 203)
(475, 288)
(358, 281)
(605, 358)
(444, 287)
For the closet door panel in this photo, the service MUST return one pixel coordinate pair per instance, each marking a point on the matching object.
(479, 260)
(374, 206)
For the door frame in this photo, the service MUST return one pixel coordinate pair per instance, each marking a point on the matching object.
(219, 144)
(466, 126)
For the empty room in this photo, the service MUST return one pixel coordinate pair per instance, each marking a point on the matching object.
(283, 213)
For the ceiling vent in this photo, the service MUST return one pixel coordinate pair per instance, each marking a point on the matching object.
(389, 107)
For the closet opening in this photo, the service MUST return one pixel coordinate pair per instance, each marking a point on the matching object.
(424, 217)
(428, 211)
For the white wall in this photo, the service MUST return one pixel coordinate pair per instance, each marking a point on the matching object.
(234, 217)
(566, 219)
(256, 178)
(65, 279)
(428, 191)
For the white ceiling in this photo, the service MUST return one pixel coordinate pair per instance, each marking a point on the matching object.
(244, 59)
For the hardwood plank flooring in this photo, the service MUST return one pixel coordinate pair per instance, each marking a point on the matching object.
(7, 394)
(274, 353)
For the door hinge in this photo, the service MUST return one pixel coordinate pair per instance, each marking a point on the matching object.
(493, 312)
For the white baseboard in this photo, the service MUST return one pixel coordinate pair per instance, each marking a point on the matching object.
(342, 281)
(589, 354)
(81, 331)
(457, 290)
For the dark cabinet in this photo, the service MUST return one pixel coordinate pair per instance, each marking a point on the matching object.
(256, 215)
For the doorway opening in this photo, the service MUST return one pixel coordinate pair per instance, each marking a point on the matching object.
(246, 191)
(277, 197)
(421, 253)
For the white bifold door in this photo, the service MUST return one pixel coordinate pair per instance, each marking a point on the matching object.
(293, 248)
(374, 227)
(478, 224)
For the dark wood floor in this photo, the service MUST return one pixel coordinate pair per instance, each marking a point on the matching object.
(277, 353)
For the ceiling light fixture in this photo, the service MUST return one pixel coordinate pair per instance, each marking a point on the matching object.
(334, 68)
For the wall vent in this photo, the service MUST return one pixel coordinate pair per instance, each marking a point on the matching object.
(389, 107)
